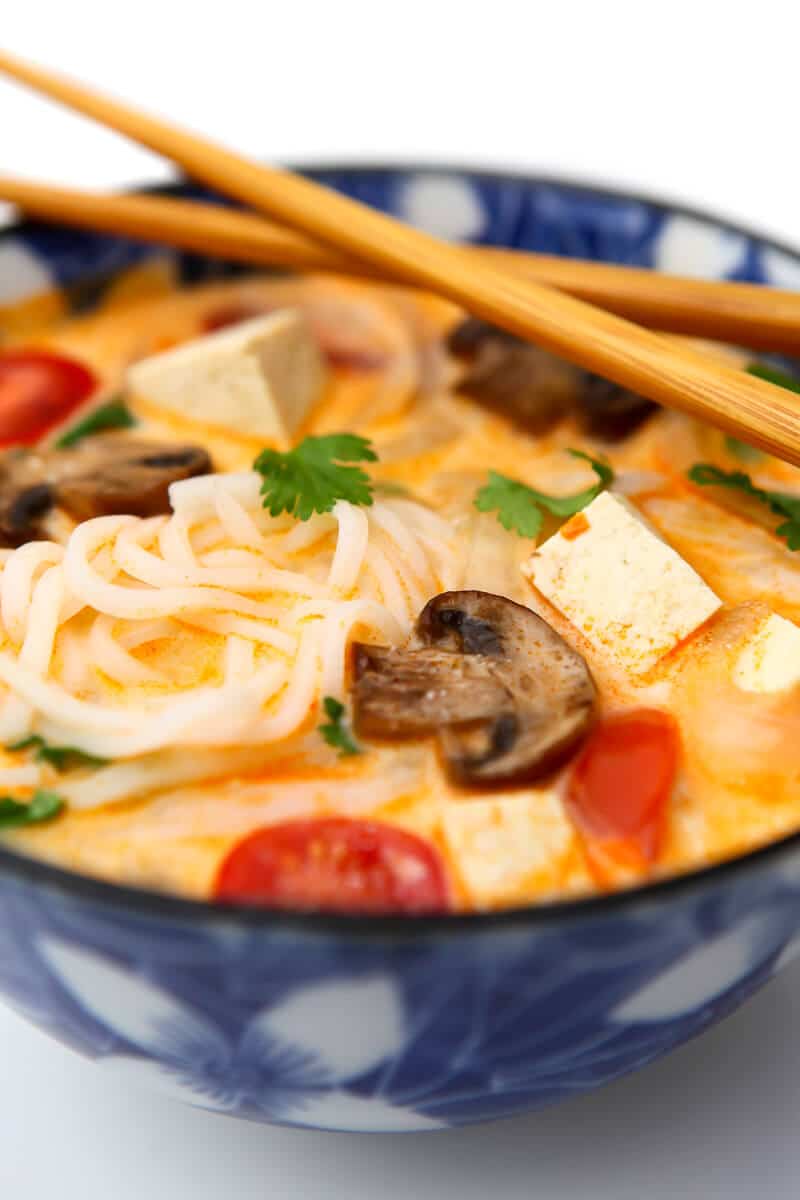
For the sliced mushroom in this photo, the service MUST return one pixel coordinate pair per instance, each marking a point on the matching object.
(536, 389)
(611, 412)
(108, 474)
(25, 497)
(406, 692)
(508, 698)
(115, 473)
(519, 380)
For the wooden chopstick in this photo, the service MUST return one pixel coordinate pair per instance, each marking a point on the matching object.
(752, 315)
(765, 416)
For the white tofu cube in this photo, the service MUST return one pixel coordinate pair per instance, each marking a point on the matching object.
(610, 574)
(514, 848)
(770, 662)
(259, 378)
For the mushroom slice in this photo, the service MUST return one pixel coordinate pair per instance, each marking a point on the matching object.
(535, 388)
(611, 412)
(26, 497)
(115, 473)
(515, 701)
(522, 382)
(400, 693)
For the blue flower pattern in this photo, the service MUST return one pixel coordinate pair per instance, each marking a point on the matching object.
(350, 1029)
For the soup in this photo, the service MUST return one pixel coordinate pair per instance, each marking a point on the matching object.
(323, 595)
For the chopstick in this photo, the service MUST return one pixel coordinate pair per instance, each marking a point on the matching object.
(765, 416)
(759, 317)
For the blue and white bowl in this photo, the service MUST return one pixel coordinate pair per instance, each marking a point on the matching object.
(403, 1023)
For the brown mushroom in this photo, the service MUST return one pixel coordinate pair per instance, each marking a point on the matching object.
(519, 380)
(611, 412)
(108, 474)
(405, 692)
(506, 695)
(115, 473)
(536, 389)
(25, 497)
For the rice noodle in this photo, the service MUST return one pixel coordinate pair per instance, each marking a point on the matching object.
(274, 604)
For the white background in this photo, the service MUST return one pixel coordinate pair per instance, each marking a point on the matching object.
(691, 100)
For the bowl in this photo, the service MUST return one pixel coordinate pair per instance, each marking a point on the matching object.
(393, 1024)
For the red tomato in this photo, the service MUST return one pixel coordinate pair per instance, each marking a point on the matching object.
(334, 863)
(620, 787)
(39, 390)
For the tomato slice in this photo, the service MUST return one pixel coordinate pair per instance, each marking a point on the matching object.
(620, 788)
(39, 390)
(334, 863)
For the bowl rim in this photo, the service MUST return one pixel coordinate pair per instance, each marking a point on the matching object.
(401, 927)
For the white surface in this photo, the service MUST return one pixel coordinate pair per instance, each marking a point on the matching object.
(693, 100)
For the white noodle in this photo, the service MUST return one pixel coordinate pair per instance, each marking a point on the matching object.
(279, 639)
(351, 546)
(29, 775)
(113, 660)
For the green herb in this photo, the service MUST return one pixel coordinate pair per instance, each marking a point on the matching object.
(388, 487)
(311, 478)
(113, 415)
(60, 757)
(741, 450)
(335, 732)
(782, 503)
(521, 508)
(42, 807)
(773, 375)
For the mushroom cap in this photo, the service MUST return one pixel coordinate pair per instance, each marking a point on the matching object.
(508, 698)
(25, 497)
(402, 693)
(115, 473)
(535, 388)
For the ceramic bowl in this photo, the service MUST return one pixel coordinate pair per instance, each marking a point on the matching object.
(399, 1024)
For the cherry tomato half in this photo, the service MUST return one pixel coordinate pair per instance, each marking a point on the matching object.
(620, 788)
(337, 864)
(39, 390)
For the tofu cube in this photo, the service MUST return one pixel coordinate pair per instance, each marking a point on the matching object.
(513, 848)
(258, 378)
(770, 662)
(632, 596)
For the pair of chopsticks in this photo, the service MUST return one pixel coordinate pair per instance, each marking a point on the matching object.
(752, 315)
(331, 230)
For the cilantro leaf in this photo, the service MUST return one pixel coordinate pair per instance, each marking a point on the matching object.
(521, 508)
(60, 757)
(742, 450)
(311, 477)
(335, 732)
(113, 415)
(783, 503)
(42, 807)
(773, 375)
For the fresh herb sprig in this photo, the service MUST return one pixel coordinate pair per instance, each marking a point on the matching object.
(742, 450)
(773, 375)
(113, 415)
(43, 806)
(335, 732)
(521, 508)
(782, 503)
(313, 476)
(63, 758)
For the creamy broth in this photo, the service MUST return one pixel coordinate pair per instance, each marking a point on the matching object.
(172, 801)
